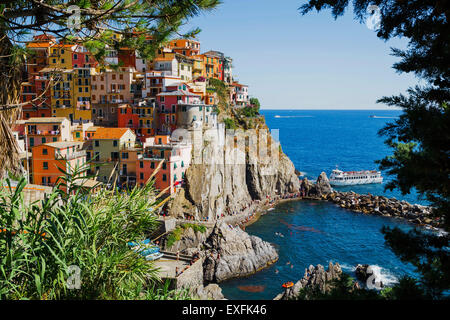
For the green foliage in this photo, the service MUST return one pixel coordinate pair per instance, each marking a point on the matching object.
(100, 20)
(420, 138)
(230, 123)
(77, 227)
(174, 236)
(254, 102)
(196, 227)
(221, 90)
(406, 289)
(428, 253)
(249, 112)
(177, 233)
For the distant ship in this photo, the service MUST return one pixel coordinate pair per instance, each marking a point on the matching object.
(277, 116)
(341, 178)
(372, 116)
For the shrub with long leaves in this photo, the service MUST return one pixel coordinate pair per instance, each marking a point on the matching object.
(76, 226)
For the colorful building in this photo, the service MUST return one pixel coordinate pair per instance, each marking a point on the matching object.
(175, 158)
(213, 61)
(35, 87)
(107, 144)
(43, 130)
(50, 158)
(186, 47)
(240, 96)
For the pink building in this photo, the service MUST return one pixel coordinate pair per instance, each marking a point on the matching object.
(176, 159)
(113, 86)
(168, 102)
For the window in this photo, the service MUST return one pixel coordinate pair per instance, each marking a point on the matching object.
(44, 151)
(115, 143)
(97, 157)
(55, 139)
(31, 142)
(162, 156)
(97, 143)
(141, 175)
(77, 134)
(44, 140)
(164, 166)
(164, 177)
(152, 165)
(45, 165)
(174, 177)
(141, 164)
(182, 164)
(124, 155)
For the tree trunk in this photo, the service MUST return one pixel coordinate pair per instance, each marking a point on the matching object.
(11, 67)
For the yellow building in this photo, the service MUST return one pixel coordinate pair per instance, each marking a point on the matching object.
(71, 93)
(61, 56)
(198, 68)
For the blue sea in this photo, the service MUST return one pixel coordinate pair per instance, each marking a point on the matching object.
(316, 141)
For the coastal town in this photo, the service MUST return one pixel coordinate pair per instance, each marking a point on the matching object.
(118, 114)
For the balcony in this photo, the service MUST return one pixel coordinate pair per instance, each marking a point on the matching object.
(83, 105)
(71, 156)
(43, 132)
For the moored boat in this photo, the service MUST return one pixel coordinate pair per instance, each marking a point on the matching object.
(348, 178)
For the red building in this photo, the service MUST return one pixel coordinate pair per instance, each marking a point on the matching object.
(127, 117)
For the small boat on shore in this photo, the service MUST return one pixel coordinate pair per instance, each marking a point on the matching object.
(341, 178)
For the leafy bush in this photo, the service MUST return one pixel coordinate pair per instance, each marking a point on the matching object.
(230, 123)
(74, 226)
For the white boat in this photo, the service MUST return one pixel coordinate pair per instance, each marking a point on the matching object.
(342, 178)
(154, 256)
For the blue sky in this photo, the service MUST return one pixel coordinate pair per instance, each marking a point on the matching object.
(292, 61)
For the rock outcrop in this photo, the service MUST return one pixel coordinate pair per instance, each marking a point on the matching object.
(315, 277)
(382, 206)
(361, 272)
(210, 292)
(231, 252)
(218, 185)
(190, 241)
(319, 189)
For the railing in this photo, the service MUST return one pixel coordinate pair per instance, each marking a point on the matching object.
(71, 156)
(43, 132)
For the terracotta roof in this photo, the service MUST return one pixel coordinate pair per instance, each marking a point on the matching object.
(38, 45)
(110, 133)
(46, 120)
(63, 144)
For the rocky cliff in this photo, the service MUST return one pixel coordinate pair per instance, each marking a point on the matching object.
(315, 277)
(218, 186)
(231, 252)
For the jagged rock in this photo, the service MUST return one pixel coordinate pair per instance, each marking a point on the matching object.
(190, 241)
(322, 185)
(217, 186)
(233, 253)
(210, 292)
(315, 277)
(361, 272)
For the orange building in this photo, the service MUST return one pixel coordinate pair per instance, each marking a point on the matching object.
(36, 85)
(185, 47)
(49, 158)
